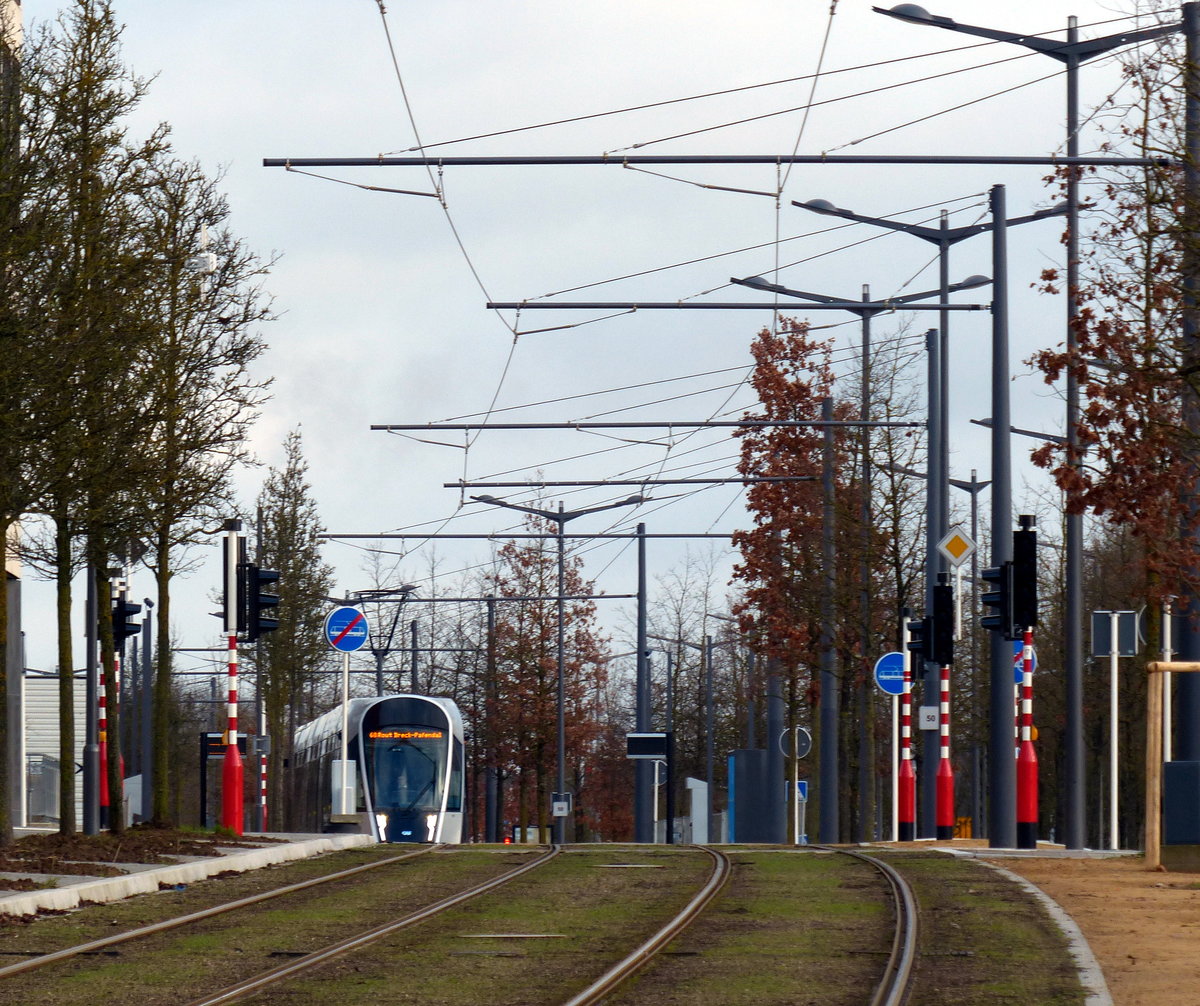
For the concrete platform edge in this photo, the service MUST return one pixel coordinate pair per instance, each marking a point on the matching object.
(108, 889)
(1090, 976)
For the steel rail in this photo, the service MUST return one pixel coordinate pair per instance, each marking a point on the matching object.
(618, 973)
(42, 960)
(241, 989)
(893, 989)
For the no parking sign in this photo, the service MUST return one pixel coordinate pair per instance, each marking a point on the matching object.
(346, 629)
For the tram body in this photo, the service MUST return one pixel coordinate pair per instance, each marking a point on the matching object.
(406, 753)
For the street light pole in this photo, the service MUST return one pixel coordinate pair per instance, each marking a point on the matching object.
(1072, 54)
(560, 518)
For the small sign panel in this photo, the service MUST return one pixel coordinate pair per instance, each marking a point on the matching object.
(346, 629)
(1127, 633)
(1019, 661)
(802, 790)
(928, 717)
(957, 546)
(646, 745)
(560, 805)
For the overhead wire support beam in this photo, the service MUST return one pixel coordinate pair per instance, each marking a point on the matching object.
(637, 160)
(524, 535)
(552, 597)
(854, 306)
(636, 425)
(731, 480)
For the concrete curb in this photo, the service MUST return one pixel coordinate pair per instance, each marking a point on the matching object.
(108, 889)
(1090, 975)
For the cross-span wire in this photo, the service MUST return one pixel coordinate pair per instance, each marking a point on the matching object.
(729, 90)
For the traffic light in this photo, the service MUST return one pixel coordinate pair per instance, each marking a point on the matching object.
(919, 639)
(1024, 576)
(942, 632)
(255, 603)
(124, 619)
(1000, 598)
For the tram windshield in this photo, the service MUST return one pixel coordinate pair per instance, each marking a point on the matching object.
(407, 767)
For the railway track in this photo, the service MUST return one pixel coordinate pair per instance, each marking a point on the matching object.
(772, 925)
(97, 946)
(284, 972)
(639, 958)
(894, 984)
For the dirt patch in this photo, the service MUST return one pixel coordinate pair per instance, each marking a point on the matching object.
(79, 854)
(1143, 927)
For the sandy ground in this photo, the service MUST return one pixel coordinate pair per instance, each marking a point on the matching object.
(1143, 927)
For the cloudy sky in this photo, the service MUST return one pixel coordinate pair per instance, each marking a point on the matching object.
(381, 295)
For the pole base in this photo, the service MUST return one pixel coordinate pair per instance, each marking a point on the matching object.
(945, 832)
(1027, 834)
(907, 831)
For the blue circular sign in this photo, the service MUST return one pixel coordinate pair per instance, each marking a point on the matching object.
(1019, 661)
(346, 629)
(889, 673)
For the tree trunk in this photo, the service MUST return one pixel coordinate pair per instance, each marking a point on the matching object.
(66, 678)
(6, 774)
(161, 809)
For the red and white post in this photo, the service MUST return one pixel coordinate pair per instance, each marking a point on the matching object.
(945, 772)
(262, 768)
(1027, 766)
(102, 735)
(907, 787)
(232, 773)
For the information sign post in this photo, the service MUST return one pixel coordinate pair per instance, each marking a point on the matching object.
(345, 631)
(889, 677)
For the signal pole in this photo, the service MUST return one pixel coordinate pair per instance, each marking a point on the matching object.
(232, 771)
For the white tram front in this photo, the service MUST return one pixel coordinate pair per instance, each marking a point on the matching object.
(406, 754)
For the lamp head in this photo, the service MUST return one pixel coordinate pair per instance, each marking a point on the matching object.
(973, 281)
(484, 499)
(821, 205)
(916, 14)
(911, 11)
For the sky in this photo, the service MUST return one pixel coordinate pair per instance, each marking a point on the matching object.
(381, 295)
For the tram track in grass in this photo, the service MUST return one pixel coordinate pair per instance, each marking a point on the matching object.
(539, 940)
(789, 925)
(176, 955)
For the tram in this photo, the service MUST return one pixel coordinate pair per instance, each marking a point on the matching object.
(406, 753)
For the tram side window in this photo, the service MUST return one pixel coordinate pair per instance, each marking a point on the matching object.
(454, 798)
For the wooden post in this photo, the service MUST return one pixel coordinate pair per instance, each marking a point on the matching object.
(1154, 769)
(1154, 753)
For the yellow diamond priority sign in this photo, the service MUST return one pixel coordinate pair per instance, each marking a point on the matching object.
(957, 546)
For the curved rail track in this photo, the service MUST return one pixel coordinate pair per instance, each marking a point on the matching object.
(43, 960)
(239, 990)
(894, 988)
(626, 968)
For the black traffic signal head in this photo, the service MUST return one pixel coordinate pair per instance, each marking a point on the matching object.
(124, 619)
(1024, 577)
(941, 634)
(1000, 598)
(918, 638)
(255, 603)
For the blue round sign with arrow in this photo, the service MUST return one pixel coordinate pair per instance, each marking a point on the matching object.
(889, 673)
(346, 629)
(1019, 661)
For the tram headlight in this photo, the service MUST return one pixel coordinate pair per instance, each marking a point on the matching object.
(431, 826)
